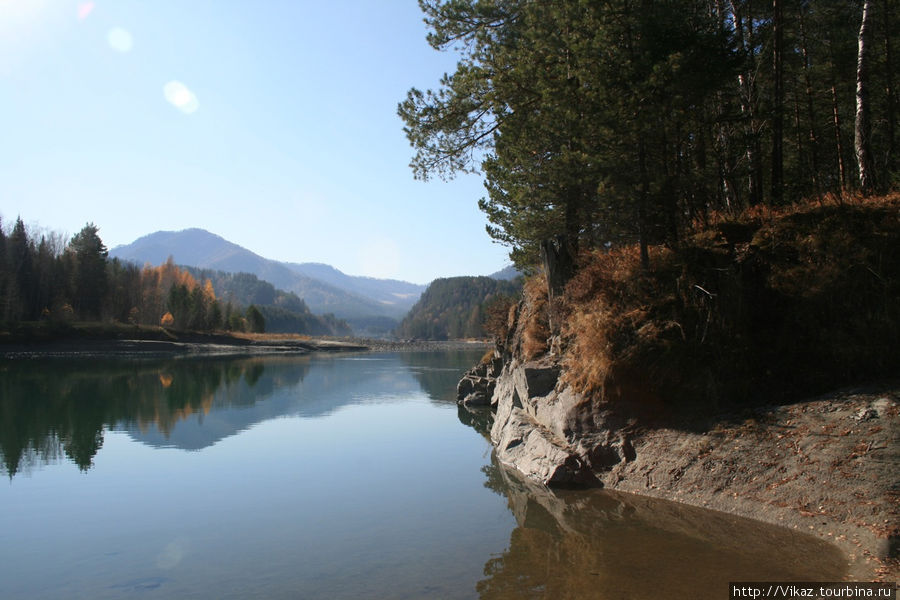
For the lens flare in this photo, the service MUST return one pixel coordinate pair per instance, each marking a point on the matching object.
(85, 9)
(119, 40)
(178, 95)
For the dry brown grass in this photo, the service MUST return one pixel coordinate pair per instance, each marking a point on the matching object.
(774, 301)
(763, 213)
(535, 318)
(271, 337)
(610, 304)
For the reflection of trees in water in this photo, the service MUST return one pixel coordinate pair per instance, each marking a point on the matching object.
(439, 371)
(479, 418)
(53, 409)
(598, 544)
(49, 408)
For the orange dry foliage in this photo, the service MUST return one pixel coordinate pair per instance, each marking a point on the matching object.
(773, 301)
(608, 303)
(536, 325)
(156, 283)
(208, 291)
(763, 213)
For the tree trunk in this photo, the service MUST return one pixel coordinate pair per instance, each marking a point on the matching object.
(559, 265)
(838, 140)
(727, 192)
(798, 130)
(813, 137)
(889, 87)
(863, 126)
(746, 81)
(778, 108)
(643, 198)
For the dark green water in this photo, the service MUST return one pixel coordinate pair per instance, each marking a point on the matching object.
(325, 477)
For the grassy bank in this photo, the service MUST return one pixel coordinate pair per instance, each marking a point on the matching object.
(770, 305)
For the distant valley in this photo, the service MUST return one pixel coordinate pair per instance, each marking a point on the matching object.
(370, 305)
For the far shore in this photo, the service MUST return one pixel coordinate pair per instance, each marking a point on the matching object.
(124, 342)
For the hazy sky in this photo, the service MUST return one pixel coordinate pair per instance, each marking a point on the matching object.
(271, 123)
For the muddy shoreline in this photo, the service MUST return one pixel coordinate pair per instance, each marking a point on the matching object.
(828, 466)
(213, 346)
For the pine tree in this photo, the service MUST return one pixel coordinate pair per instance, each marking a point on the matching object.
(90, 278)
(256, 320)
(586, 116)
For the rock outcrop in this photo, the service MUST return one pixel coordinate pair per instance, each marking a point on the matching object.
(541, 427)
(476, 388)
(549, 432)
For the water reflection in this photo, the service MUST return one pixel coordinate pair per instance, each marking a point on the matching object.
(369, 490)
(438, 372)
(51, 410)
(478, 418)
(601, 545)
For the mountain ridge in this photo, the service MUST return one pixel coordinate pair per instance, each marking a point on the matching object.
(361, 300)
(345, 296)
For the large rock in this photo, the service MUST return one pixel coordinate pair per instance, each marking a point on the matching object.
(533, 426)
(542, 427)
(549, 432)
(477, 386)
(523, 444)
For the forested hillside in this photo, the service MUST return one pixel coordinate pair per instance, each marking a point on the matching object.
(284, 312)
(455, 307)
(46, 278)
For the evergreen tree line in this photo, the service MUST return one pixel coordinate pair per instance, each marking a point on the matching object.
(283, 312)
(455, 308)
(622, 121)
(48, 279)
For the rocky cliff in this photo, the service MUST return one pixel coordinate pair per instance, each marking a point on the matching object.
(541, 426)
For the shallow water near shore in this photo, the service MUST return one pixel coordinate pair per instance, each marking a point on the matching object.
(325, 477)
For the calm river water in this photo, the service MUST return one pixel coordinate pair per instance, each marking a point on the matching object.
(330, 476)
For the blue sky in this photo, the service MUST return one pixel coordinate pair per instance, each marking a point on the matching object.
(271, 123)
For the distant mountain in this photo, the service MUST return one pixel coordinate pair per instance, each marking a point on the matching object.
(506, 274)
(323, 288)
(390, 292)
(453, 308)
